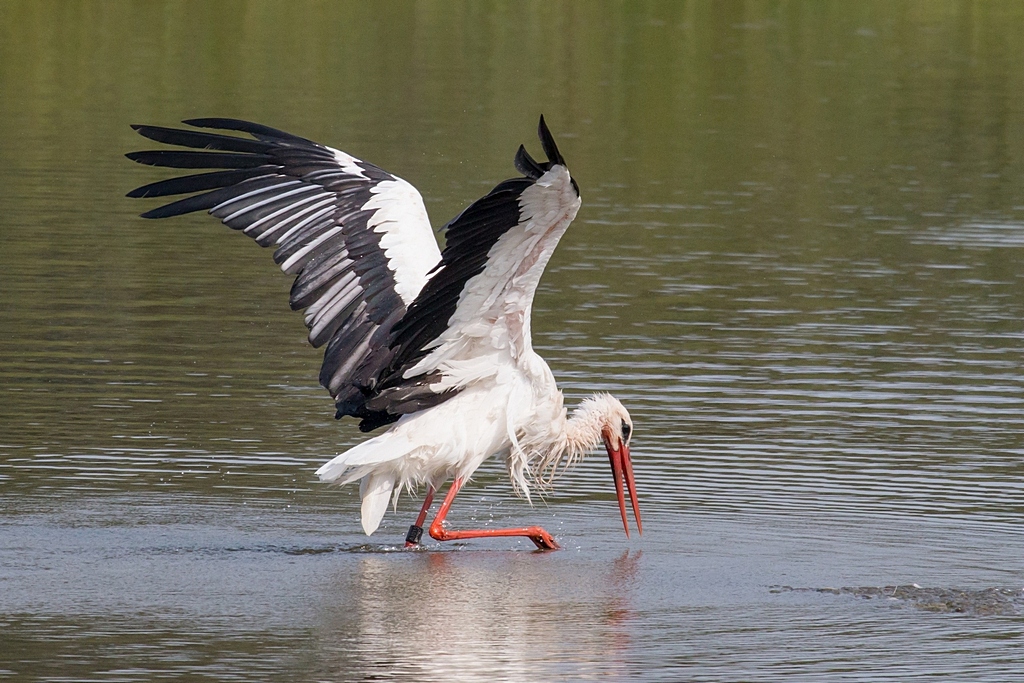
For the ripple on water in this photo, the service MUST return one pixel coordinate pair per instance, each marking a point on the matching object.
(977, 602)
(973, 234)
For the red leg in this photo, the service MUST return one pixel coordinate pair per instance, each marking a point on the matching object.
(541, 538)
(412, 539)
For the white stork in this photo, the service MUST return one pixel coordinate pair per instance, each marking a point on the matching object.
(436, 344)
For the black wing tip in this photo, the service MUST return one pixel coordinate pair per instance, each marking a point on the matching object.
(152, 213)
(257, 130)
(532, 168)
(204, 121)
(218, 122)
(547, 141)
(526, 164)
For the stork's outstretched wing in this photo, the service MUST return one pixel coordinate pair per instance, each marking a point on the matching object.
(356, 237)
(476, 306)
(406, 326)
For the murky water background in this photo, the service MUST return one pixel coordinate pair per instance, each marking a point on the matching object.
(800, 263)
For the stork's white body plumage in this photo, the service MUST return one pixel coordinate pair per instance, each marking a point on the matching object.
(449, 441)
(437, 343)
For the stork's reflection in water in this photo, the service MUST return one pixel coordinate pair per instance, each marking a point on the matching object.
(479, 616)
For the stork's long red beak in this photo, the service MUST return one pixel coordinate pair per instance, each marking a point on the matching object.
(622, 471)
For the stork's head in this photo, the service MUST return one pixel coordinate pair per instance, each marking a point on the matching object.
(616, 428)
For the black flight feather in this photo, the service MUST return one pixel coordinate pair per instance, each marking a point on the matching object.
(547, 141)
(196, 183)
(200, 140)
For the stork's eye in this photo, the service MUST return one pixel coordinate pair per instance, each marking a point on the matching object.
(626, 430)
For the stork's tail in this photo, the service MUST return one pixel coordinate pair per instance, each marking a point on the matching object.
(369, 462)
(375, 490)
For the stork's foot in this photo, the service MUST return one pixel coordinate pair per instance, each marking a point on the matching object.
(542, 539)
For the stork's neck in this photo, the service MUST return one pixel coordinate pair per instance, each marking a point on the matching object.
(545, 455)
(583, 429)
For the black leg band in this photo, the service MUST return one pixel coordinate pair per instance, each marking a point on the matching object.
(414, 535)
